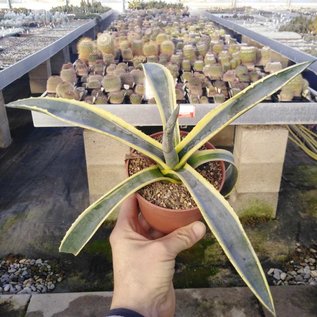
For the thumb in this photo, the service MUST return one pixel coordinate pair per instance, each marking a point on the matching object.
(184, 238)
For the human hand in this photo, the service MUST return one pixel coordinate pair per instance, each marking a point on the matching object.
(144, 261)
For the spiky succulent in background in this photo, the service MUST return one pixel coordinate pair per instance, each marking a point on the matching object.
(127, 54)
(93, 58)
(84, 48)
(135, 98)
(189, 52)
(69, 75)
(67, 90)
(150, 49)
(265, 56)
(138, 76)
(116, 97)
(108, 58)
(94, 81)
(81, 68)
(101, 99)
(199, 66)
(248, 55)
(137, 47)
(204, 48)
(175, 161)
(167, 47)
(111, 83)
(52, 83)
(127, 79)
(105, 43)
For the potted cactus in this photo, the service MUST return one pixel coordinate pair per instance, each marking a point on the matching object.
(175, 162)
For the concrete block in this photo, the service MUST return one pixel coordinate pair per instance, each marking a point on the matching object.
(103, 178)
(294, 301)
(228, 302)
(263, 177)
(254, 204)
(13, 305)
(103, 150)
(5, 136)
(224, 138)
(69, 305)
(93, 198)
(260, 144)
(3, 112)
(38, 77)
(105, 163)
(259, 153)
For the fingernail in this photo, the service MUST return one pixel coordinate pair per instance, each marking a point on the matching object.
(199, 229)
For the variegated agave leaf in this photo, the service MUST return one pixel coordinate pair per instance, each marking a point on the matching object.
(226, 227)
(93, 118)
(231, 173)
(92, 218)
(163, 87)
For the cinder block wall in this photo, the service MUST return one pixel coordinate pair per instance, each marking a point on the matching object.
(105, 163)
(259, 153)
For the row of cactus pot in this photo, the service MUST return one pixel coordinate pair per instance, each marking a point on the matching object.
(208, 65)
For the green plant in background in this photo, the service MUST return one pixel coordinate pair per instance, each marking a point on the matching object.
(142, 5)
(301, 24)
(147, 5)
(176, 162)
(86, 10)
(135, 5)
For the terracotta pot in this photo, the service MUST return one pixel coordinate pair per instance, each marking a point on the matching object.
(167, 220)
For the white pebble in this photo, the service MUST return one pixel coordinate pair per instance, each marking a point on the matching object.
(38, 261)
(6, 287)
(270, 271)
(50, 286)
(18, 288)
(27, 290)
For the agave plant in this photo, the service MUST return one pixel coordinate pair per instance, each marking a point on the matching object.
(176, 161)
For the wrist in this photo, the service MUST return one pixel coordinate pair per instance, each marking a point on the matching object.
(133, 293)
(137, 305)
(124, 312)
(148, 304)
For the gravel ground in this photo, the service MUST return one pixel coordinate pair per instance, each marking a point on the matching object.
(301, 270)
(28, 276)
